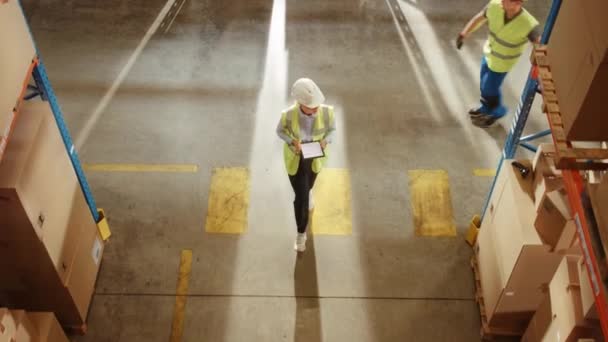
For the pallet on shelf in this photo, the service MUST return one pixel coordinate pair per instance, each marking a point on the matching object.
(567, 156)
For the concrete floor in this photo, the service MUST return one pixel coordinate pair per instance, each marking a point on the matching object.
(208, 90)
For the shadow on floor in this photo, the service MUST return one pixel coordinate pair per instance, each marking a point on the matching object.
(308, 326)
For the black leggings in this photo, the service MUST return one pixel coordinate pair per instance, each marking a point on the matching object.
(302, 182)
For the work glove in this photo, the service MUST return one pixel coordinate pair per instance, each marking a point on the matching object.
(459, 41)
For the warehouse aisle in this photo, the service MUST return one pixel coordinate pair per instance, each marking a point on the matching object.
(201, 84)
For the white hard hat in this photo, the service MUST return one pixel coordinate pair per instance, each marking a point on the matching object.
(307, 93)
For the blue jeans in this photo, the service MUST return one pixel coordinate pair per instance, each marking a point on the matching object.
(491, 95)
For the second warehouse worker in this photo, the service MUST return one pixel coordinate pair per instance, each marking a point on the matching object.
(511, 27)
(308, 120)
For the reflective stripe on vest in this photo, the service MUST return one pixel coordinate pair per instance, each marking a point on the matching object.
(501, 56)
(506, 42)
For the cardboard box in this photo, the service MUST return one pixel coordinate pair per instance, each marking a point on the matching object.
(545, 184)
(48, 327)
(65, 246)
(566, 302)
(69, 301)
(579, 64)
(37, 172)
(587, 298)
(14, 327)
(552, 216)
(30, 326)
(543, 163)
(590, 123)
(16, 53)
(568, 239)
(8, 326)
(598, 194)
(539, 324)
(10, 279)
(81, 283)
(514, 264)
(38, 279)
(512, 215)
(26, 331)
(595, 11)
(560, 317)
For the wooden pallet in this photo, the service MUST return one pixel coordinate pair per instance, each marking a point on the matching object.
(566, 157)
(487, 333)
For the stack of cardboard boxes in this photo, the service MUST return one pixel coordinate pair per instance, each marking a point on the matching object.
(578, 57)
(50, 248)
(553, 222)
(514, 263)
(525, 237)
(22, 326)
(563, 315)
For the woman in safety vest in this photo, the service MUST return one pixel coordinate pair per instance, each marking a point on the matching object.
(511, 27)
(308, 120)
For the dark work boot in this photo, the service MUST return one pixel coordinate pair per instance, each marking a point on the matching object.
(484, 120)
(475, 111)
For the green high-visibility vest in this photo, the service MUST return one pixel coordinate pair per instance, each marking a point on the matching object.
(506, 42)
(291, 125)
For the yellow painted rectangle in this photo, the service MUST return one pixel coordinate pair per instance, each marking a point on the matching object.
(175, 168)
(484, 172)
(179, 310)
(332, 196)
(228, 201)
(431, 203)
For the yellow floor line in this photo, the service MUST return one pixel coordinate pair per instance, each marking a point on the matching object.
(179, 310)
(484, 172)
(431, 203)
(175, 168)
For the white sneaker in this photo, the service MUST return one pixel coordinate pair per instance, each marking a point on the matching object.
(300, 244)
(311, 201)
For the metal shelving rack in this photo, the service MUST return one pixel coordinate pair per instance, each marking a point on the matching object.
(45, 91)
(36, 83)
(572, 178)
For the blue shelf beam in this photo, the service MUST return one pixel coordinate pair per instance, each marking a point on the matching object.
(47, 94)
(535, 136)
(528, 146)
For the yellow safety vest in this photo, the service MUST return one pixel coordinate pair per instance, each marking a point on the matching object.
(506, 42)
(291, 126)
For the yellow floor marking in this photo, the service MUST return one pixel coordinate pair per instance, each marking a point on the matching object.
(484, 172)
(176, 168)
(103, 226)
(228, 201)
(332, 196)
(431, 203)
(179, 310)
